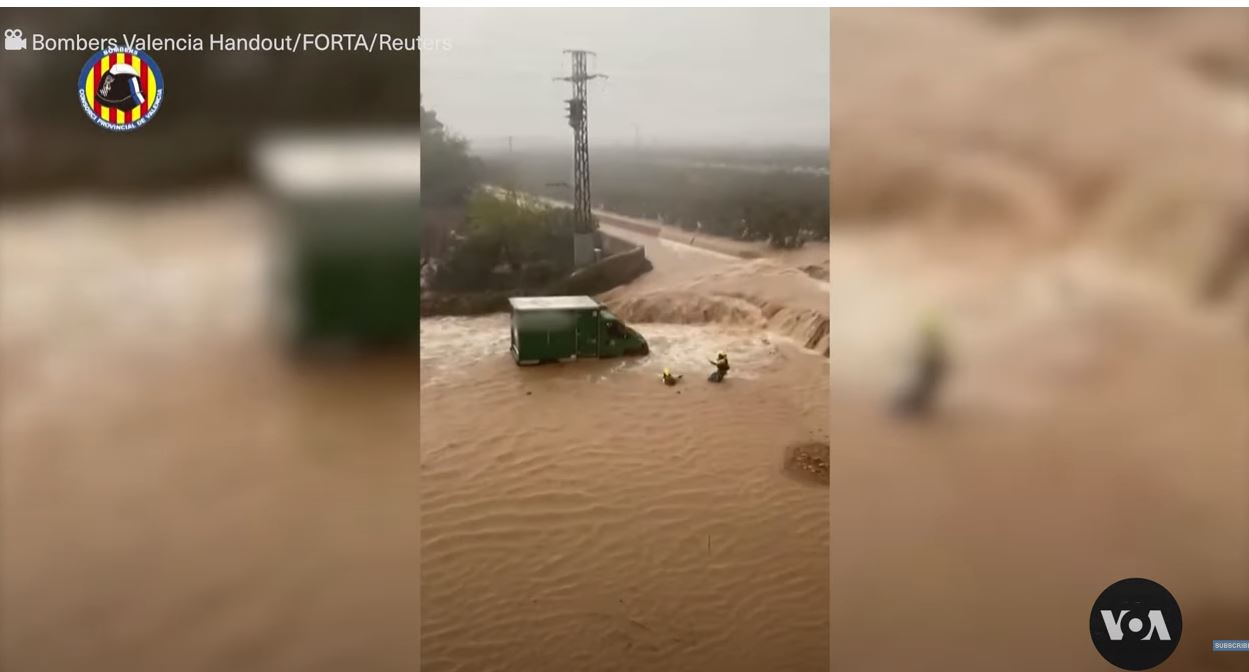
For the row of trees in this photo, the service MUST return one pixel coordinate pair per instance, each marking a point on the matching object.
(784, 207)
(448, 172)
(506, 242)
(476, 239)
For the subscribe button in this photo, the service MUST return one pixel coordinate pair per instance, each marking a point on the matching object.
(1231, 645)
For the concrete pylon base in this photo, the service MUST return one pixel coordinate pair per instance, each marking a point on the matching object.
(583, 245)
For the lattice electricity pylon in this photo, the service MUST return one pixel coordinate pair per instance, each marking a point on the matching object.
(577, 112)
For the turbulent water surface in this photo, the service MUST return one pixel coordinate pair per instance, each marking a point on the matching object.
(584, 516)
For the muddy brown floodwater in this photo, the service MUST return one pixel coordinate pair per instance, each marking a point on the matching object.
(175, 494)
(583, 516)
(1054, 190)
(1096, 428)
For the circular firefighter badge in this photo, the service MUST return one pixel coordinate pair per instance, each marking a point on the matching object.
(120, 88)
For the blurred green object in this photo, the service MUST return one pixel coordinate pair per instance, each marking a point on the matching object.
(350, 238)
(354, 272)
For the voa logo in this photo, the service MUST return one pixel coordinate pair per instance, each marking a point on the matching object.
(1135, 624)
(1157, 624)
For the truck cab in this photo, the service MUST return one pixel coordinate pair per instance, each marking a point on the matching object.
(618, 339)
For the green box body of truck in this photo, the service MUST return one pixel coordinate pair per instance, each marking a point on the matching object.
(359, 283)
(554, 328)
(349, 237)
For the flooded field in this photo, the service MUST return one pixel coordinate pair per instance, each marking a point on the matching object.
(584, 516)
(175, 492)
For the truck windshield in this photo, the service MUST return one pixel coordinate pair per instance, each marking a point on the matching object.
(616, 330)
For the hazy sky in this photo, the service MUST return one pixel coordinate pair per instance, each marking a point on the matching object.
(744, 76)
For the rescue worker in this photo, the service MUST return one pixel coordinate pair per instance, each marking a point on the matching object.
(668, 378)
(1231, 266)
(722, 367)
(919, 395)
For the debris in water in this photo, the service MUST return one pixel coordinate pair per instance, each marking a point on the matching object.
(809, 461)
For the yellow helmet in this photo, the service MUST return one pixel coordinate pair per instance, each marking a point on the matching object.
(721, 355)
(667, 372)
(932, 328)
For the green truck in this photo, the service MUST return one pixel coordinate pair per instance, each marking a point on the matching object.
(554, 328)
(348, 236)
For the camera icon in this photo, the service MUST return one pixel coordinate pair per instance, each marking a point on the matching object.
(13, 40)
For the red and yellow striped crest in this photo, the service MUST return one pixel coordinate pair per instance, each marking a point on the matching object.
(135, 110)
